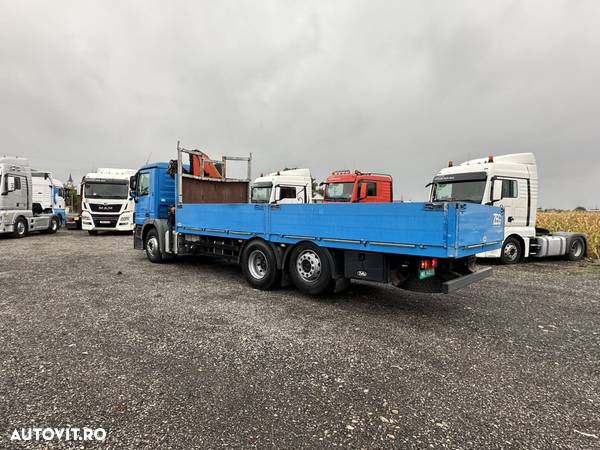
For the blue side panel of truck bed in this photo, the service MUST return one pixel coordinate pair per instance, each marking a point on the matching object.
(449, 230)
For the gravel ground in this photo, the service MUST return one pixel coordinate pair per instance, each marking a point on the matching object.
(186, 355)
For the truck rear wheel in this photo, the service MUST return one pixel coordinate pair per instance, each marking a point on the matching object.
(152, 245)
(310, 269)
(576, 249)
(20, 229)
(259, 265)
(512, 251)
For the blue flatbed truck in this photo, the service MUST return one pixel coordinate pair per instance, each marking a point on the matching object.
(426, 247)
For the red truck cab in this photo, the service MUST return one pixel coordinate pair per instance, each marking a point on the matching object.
(357, 187)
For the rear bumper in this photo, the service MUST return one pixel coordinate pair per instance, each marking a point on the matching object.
(465, 280)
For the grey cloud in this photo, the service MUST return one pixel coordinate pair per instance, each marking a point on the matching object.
(399, 87)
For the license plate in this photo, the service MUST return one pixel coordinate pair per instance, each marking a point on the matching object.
(105, 221)
(427, 273)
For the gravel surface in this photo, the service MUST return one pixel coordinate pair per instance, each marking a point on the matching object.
(186, 355)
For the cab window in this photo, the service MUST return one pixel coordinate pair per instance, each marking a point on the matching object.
(371, 189)
(287, 192)
(509, 189)
(143, 187)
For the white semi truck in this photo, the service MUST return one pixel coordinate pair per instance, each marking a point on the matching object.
(511, 182)
(106, 202)
(19, 214)
(48, 194)
(285, 186)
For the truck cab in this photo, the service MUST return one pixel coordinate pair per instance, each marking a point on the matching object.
(284, 186)
(357, 187)
(511, 182)
(48, 194)
(18, 215)
(106, 202)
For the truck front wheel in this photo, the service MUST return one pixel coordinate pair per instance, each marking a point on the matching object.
(310, 269)
(152, 245)
(54, 225)
(259, 265)
(512, 251)
(20, 229)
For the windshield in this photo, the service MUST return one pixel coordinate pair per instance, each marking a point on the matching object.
(459, 191)
(339, 192)
(106, 190)
(261, 194)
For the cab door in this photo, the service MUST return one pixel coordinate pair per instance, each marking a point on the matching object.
(144, 196)
(514, 201)
(290, 194)
(367, 192)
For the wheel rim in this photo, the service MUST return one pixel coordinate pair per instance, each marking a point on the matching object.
(20, 227)
(54, 225)
(511, 251)
(308, 266)
(576, 248)
(258, 264)
(152, 245)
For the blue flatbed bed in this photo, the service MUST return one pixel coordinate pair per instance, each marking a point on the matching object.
(445, 230)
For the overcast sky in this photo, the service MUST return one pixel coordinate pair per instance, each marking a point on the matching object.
(391, 86)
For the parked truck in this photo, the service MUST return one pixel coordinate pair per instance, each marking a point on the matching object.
(48, 194)
(18, 216)
(510, 182)
(358, 187)
(284, 186)
(427, 247)
(106, 202)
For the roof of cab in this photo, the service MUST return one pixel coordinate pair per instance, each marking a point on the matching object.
(157, 164)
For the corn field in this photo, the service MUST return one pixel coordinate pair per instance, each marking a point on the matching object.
(582, 222)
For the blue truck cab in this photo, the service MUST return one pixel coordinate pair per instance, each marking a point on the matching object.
(427, 247)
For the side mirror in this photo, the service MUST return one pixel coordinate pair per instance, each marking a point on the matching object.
(133, 183)
(363, 191)
(496, 191)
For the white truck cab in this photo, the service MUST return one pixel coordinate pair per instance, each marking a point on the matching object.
(19, 213)
(106, 202)
(48, 194)
(511, 182)
(285, 186)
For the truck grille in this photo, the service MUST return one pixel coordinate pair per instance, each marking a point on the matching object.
(105, 221)
(97, 207)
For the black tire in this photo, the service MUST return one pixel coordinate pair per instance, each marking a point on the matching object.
(310, 269)
(259, 265)
(93, 232)
(54, 225)
(576, 249)
(20, 229)
(152, 246)
(512, 251)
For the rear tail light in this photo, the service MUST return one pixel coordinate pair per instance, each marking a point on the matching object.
(429, 263)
